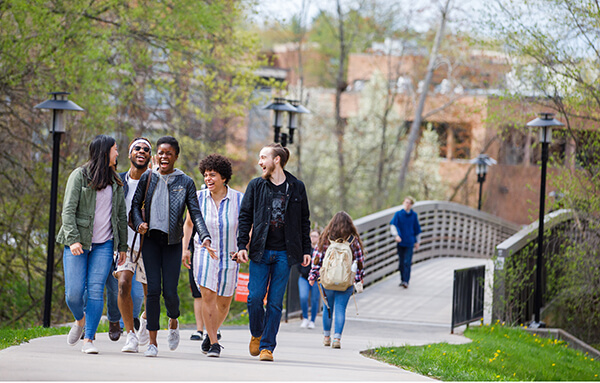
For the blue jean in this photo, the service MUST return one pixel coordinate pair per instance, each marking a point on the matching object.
(272, 271)
(87, 271)
(338, 301)
(304, 288)
(112, 295)
(405, 255)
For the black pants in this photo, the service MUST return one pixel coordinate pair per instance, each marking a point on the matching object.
(163, 264)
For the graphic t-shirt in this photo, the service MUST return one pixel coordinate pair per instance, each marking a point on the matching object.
(276, 236)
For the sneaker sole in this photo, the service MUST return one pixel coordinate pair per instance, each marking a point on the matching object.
(129, 351)
(213, 355)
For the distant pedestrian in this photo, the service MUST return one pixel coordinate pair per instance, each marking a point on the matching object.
(215, 275)
(94, 227)
(340, 227)
(306, 291)
(406, 230)
(170, 191)
(275, 208)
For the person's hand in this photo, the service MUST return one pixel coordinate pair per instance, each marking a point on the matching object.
(122, 257)
(154, 162)
(212, 252)
(417, 246)
(359, 287)
(143, 228)
(398, 239)
(185, 258)
(242, 256)
(311, 282)
(307, 260)
(76, 248)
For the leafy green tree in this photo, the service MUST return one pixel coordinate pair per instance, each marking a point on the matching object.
(137, 68)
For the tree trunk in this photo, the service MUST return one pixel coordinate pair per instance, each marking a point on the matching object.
(339, 122)
(416, 124)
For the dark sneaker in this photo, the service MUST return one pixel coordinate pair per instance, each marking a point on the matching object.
(205, 344)
(218, 334)
(197, 336)
(215, 350)
(114, 331)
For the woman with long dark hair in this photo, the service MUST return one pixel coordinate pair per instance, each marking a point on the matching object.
(169, 192)
(94, 227)
(340, 227)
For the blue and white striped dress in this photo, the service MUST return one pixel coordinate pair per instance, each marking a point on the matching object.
(222, 223)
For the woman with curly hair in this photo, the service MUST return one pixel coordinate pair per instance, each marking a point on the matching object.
(216, 276)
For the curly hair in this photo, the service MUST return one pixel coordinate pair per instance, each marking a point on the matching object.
(217, 163)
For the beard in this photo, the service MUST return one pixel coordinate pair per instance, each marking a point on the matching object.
(138, 166)
(269, 172)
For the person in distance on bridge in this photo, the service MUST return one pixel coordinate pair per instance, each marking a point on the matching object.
(304, 288)
(340, 227)
(275, 207)
(94, 227)
(406, 229)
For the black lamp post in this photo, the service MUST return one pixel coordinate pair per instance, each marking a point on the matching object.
(293, 107)
(58, 104)
(482, 162)
(546, 121)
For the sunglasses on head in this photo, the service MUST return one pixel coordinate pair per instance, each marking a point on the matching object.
(144, 148)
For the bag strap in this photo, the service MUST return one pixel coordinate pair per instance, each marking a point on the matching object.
(325, 302)
(136, 233)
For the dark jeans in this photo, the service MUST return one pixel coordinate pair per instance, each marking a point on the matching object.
(163, 264)
(272, 271)
(405, 255)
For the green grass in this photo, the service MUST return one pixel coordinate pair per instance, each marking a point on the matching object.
(14, 337)
(497, 353)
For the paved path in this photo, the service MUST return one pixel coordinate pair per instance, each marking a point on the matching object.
(388, 315)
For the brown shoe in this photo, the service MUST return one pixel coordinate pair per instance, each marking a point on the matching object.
(255, 346)
(327, 341)
(266, 355)
(114, 331)
(336, 344)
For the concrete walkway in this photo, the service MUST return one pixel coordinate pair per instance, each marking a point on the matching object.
(388, 315)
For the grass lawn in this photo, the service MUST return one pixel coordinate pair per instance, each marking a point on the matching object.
(497, 353)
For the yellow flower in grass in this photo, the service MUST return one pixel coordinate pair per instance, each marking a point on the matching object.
(553, 364)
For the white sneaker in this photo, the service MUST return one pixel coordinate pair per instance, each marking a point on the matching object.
(304, 323)
(151, 351)
(173, 338)
(311, 324)
(74, 335)
(131, 345)
(89, 348)
(143, 335)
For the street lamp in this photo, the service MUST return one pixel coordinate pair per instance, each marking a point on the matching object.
(546, 121)
(482, 162)
(293, 107)
(58, 104)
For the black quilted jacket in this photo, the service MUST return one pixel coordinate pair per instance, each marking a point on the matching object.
(182, 193)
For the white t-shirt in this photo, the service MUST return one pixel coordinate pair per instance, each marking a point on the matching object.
(132, 186)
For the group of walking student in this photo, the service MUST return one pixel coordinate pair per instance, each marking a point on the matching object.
(129, 230)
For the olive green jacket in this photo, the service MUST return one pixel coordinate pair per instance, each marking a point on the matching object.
(79, 208)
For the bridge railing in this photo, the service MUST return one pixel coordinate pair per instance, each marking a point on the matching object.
(448, 229)
(514, 290)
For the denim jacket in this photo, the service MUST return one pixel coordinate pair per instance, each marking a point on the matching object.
(79, 209)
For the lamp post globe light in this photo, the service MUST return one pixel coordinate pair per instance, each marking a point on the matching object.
(279, 106)
(482, 162)
(58, 104)
(545, 122)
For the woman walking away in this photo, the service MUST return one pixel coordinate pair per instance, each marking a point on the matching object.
(94, 227)
(304, 288)
(169, 192)
(340, 227)
(216, 276)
